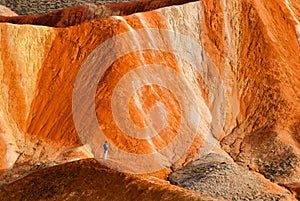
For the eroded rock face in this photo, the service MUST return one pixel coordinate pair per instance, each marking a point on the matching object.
(164, 87)
(41, 102)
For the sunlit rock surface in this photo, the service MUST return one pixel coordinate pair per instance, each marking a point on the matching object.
(164, 87)
(4, 11)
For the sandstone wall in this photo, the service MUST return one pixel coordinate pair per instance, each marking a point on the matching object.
(228, 80)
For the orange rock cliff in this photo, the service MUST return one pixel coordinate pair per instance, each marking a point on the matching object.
(165, 82)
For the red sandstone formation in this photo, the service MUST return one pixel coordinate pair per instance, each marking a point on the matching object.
(164, 87)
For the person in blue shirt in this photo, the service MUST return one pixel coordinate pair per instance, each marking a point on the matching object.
(105, 147)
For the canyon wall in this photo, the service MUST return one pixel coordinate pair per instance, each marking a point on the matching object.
(166, 83)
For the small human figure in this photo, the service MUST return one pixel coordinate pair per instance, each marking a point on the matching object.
(105, 146)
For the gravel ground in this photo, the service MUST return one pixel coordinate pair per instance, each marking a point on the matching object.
(222, 180)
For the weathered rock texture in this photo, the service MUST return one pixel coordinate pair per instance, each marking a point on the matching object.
(76, 15)
(227, 82)
(34, 7)
(219, 178)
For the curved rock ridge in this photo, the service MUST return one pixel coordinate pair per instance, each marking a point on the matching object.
(163, 87)
(87, 179)
(4, 11)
